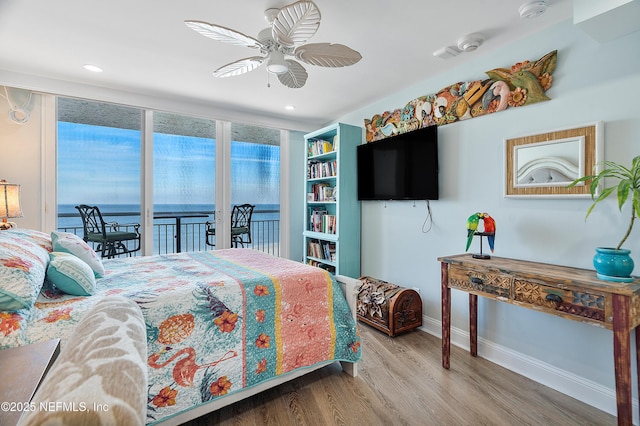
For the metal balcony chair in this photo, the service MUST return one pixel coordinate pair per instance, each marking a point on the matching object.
(110, 237)
(240, 226)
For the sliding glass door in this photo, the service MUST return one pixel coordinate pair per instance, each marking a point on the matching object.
(255, 180)
(175, 175)
(184, 161)
(99, 152)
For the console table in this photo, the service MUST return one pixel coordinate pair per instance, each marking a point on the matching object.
(567, 292)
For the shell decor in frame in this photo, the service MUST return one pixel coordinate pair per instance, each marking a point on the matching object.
(524, 83)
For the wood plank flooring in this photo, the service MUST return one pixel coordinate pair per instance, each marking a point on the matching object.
(401, 382)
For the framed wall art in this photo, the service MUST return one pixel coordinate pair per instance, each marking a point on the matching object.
(542, 165)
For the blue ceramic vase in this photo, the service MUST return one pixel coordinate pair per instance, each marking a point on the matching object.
(613, 265)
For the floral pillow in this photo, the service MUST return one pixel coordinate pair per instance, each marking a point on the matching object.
(22, 271)
(70, 243)
(43, 239)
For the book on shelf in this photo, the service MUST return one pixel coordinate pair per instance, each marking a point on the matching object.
(317, 169)
(319, 147)
(323, 192)
(329, 223)
(329, 268)
(325, 250)
(321, 221)
(315, 218)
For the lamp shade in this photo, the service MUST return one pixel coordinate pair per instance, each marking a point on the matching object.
(9, 200)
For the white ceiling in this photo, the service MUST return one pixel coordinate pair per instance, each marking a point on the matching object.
(144, 47)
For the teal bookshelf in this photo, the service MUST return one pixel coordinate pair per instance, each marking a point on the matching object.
(332, 210)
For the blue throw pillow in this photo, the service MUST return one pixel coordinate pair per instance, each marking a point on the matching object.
(70, 274)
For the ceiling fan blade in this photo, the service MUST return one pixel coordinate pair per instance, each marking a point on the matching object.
(295, 77)
(239, 67)
(227, 35)
(296, 23)
(327, 55)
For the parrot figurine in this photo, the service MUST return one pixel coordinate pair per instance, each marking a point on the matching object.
(489, 228)
(472, 227)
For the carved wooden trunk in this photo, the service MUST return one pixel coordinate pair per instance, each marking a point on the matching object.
(388, 307)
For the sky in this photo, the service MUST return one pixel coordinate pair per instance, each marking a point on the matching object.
(101, 165)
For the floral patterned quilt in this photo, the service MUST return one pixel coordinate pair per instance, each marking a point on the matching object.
(217, 322)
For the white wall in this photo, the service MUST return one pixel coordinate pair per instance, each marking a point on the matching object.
(592, 82)
(21, 161)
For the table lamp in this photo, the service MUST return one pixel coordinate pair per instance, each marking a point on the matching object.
(9, 203)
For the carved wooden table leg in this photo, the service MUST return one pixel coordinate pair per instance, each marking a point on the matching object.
(622, 358)
(473, 324)
(446, 316)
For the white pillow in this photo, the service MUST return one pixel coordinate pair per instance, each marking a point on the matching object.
(70, 274)
(71, 243)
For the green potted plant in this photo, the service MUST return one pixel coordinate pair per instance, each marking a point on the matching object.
(615, 264)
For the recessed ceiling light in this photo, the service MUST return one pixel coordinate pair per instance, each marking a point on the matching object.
(290, 107)
(92, 68)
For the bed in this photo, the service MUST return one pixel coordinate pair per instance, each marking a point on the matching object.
(220, 325)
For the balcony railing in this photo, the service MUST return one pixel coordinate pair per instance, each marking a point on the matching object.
(264, 233)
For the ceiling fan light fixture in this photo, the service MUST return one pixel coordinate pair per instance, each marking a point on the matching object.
(276, 63)
(290, 27)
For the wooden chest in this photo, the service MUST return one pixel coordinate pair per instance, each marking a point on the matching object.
(388, 307)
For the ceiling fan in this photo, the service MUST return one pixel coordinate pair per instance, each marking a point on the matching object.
(289, 28)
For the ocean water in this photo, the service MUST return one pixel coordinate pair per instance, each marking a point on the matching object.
(68, 215)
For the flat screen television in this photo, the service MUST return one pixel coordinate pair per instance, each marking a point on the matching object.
(401, 167)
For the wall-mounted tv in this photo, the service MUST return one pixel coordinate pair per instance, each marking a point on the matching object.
(401, 167)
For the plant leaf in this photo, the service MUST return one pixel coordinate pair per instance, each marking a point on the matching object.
(604, 194)
(577, 181)
(623, 192)
(593, 188)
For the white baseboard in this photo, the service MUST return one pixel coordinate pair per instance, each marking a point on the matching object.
(575, 386)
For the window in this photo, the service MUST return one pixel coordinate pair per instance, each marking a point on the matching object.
(99, 162)
(255, 179)
(183, 181)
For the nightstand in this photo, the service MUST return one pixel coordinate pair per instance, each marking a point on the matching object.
(21, 371)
